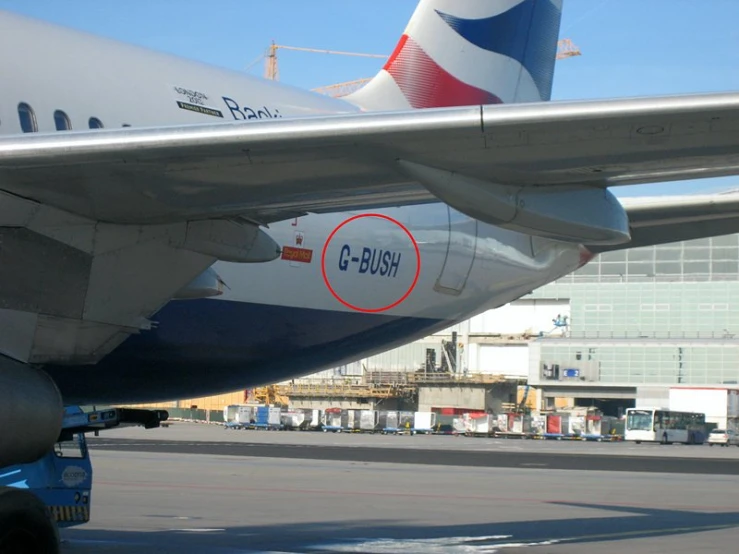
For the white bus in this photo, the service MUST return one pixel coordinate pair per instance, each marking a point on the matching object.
(664, 426)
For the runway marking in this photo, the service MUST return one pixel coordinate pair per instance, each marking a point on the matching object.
(198, 530)
(447, 545)
(471, 545)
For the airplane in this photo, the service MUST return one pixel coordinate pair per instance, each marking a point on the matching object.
(170, 229)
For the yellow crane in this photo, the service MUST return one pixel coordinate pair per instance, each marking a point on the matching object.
(565, 49)
(271, 395)
(271, 67)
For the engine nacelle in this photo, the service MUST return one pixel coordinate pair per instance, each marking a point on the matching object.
(580, 214)
(31, 413)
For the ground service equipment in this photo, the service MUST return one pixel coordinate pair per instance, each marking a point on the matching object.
(55, 491)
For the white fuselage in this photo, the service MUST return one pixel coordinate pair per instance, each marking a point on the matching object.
(275, 319)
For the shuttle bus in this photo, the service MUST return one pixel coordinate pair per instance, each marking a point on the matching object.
(664, 426)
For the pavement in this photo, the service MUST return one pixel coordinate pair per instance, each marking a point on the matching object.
(175, 491)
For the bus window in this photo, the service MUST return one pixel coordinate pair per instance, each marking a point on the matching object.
(95, 123)
(61, 121)
(27, 118)
(639, 420)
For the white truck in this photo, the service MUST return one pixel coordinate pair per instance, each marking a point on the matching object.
(721, 405)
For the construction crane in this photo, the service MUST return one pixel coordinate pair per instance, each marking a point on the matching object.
(271, 67)
(272, 395)
(565, 49)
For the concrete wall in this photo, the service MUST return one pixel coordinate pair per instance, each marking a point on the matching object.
(472, 398)
(352, 404)
(488, 398)
(652, 397)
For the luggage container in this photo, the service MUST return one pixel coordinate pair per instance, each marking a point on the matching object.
(593, 425)
(229, 413)
(576, 425)
(368, 421)
(262, 416)
(424, 422)
(444, 425)
(501, 423)
(602, 428)
(557, 426)
(312, 420)
(594, 429)
(332, 420)
(538, 424)
(292, 419)
(246, 415)
(405, 421)
(392, 422)
(519, 424)
(268, 417)
(274, 418)
(481, 424)
(350, 420)
(459, 425)
(382, 419)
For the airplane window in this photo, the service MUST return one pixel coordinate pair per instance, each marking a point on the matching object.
(95, 123)
(126, 125)
(62, 121)
(27, 118)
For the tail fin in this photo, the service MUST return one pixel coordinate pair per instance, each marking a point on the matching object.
(469, 52)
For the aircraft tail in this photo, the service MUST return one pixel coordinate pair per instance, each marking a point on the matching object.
(469, 52)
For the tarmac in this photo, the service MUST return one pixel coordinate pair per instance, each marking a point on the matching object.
(200, 489)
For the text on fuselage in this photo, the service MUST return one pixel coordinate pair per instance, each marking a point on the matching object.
(240, 112)
(374, 261)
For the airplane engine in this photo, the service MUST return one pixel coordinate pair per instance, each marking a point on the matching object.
(31, 412)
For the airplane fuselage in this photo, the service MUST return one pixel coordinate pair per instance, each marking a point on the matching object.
(348, 284)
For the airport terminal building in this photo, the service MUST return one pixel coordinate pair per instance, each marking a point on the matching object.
(621, 330)
(642, 320)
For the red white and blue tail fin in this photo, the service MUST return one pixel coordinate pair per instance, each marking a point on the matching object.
(469, 52)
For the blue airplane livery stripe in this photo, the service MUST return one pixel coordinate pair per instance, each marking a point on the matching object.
(207, 346)
(535, 49)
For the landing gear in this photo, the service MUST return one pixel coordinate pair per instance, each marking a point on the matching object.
(25, 524)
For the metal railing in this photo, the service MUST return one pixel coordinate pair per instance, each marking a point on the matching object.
(417, 378)
(339, 389)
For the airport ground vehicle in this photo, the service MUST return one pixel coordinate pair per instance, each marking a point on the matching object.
(39, 497)
(723, 437)
(664, 426)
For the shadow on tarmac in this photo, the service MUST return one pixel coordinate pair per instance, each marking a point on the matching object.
(380, 536)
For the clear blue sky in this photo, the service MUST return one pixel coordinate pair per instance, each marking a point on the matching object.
(630, 47)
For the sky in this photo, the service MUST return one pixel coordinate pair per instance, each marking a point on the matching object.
(629, 47)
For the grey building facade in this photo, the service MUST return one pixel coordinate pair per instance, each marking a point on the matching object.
(662, 315)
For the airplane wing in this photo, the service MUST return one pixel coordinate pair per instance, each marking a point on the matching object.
(662, 220)
(128, 217)
(272, 170)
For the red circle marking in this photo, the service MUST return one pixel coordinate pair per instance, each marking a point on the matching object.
(389, 306)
